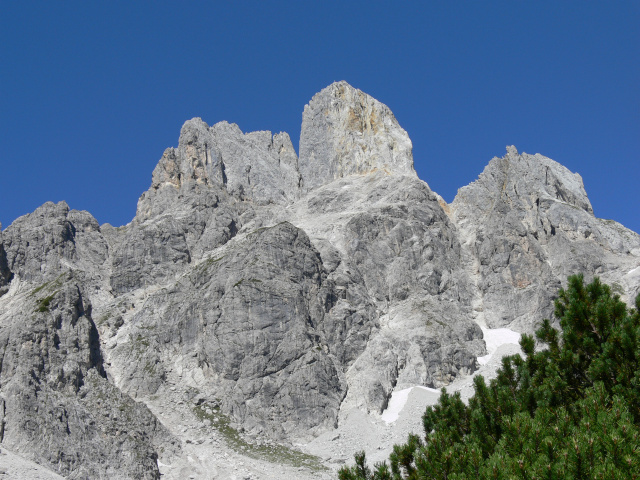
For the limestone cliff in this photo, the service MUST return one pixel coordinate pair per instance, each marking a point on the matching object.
(346, 132)
(273, 294)
(528, 224)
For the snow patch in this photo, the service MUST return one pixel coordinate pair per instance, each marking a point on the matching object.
(397, 402)
(496, 337)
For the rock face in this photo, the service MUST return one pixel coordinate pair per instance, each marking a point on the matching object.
(265, 297)
(255, 166)
(279, 293)
(38, 246)
(58, 406)
(346, 132)
(528, 224)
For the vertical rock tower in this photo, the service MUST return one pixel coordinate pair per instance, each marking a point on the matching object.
(345, 132)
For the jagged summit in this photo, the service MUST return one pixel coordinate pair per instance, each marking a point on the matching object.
(256, 165)
(529, 224)
(282, 297)
(528, 180)
(345, 132)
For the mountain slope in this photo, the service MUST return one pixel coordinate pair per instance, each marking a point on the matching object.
(260, 293)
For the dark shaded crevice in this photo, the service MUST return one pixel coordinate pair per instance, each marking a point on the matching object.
(69, 233)
(4, 352)
(223, 173)
(6, 275)
(95, 353)
(233, 229)
(2, 416)
(394, 382)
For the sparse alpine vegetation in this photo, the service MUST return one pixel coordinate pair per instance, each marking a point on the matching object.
(567, 410)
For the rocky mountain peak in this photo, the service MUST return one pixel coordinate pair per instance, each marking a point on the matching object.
(260, 297)
(524, 180)
(346, 132)
(258, 166)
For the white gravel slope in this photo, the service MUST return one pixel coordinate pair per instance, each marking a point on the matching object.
(13, 466)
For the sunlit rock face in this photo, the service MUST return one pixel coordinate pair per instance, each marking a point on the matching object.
(256, 166)
(346, 132)
(527, 224)
(279, 292)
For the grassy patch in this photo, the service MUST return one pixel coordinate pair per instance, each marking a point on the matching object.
(38, 289)
(262, 229)
(203, 267)
(139, 345)
(57, 283)
(252, 280)
(43, 303)
(211, 261)
(52, 287)
(277, 454)
(430, 321)
(150, 368)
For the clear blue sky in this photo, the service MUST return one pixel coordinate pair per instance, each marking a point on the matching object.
(91, 93)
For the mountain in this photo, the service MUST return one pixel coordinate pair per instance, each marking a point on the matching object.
(258, 299)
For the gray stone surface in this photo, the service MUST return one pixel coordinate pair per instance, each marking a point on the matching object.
(257, 298)
(400, 255)
(528, 224)
(248, 321)
(59, 408)
(346, 132)
(39, 245)
(256, 166)
(13, 465)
